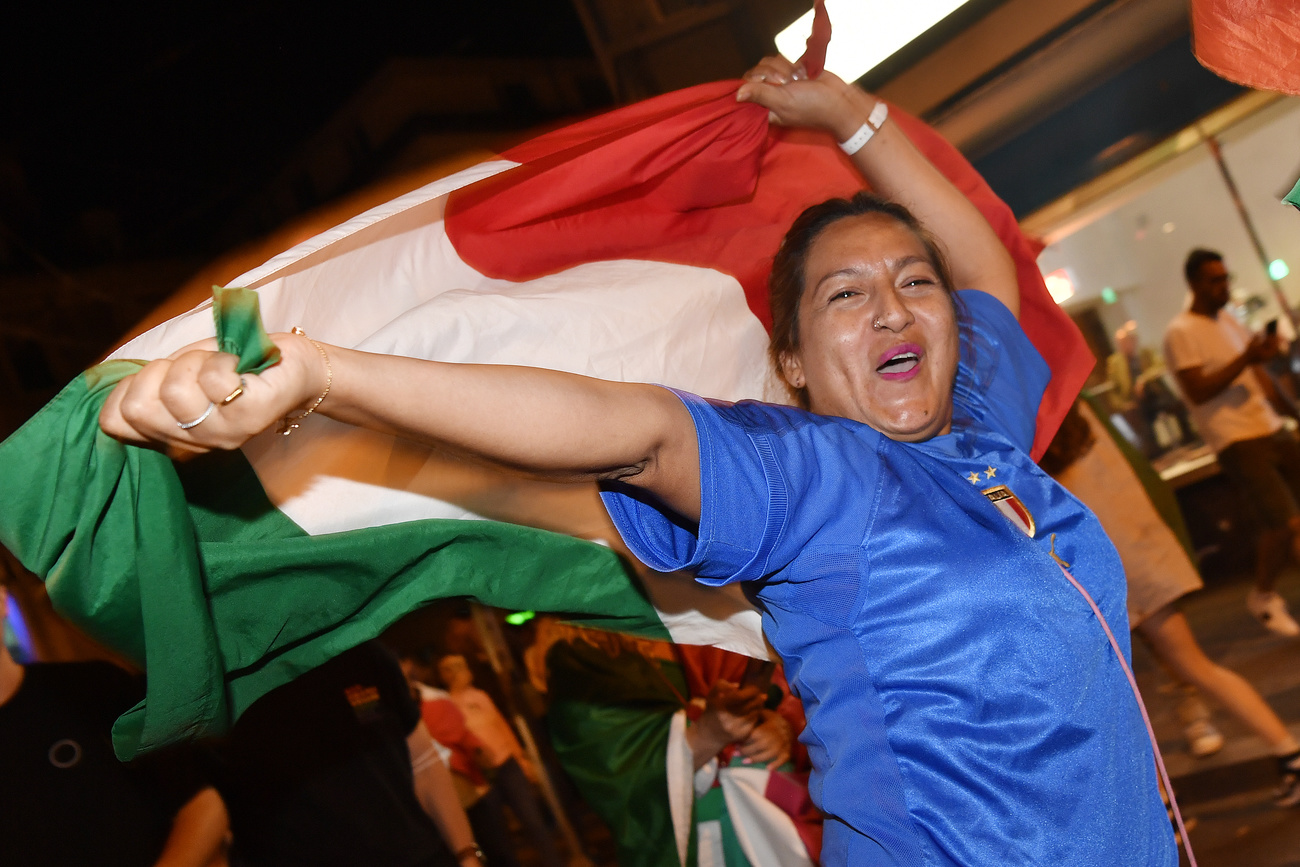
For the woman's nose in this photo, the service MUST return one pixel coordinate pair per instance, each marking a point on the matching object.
(892, 313)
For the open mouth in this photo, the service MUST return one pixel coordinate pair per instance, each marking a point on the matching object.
(900, 362)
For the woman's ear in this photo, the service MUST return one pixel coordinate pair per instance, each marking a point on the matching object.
(792, 370)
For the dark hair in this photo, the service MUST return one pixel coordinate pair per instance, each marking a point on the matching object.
(1197, 258)
(1074, 439)
(786, 282)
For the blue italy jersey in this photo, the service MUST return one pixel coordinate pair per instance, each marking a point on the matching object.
(964, 705)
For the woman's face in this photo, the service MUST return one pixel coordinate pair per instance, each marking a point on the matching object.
(877, 332)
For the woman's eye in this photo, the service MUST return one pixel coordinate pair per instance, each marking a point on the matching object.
(918, 282)
(844, 293)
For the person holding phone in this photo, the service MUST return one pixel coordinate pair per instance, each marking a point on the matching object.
(1235, 407)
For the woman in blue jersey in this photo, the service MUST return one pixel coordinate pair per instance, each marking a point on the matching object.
(964, 706)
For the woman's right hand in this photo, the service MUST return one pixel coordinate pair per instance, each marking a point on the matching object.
(147, 408)
(793, 99)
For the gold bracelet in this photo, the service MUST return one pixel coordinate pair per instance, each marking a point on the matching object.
(290, 423)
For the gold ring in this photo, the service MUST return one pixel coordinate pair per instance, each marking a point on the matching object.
(234, 394)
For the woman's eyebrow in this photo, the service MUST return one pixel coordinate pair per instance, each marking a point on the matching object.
(842, 272)
(892, 264)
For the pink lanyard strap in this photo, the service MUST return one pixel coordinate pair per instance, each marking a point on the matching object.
(1132, 682)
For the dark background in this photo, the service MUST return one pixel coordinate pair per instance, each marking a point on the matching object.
(156, 116)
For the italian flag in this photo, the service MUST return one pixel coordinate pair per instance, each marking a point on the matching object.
(632, 246)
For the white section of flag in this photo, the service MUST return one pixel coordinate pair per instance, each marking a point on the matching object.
(390, 281)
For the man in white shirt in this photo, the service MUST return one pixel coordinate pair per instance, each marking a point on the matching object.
(1216, 361)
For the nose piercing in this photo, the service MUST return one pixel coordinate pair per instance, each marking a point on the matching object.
(876, 325)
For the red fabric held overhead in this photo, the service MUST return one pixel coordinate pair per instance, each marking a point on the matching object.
(695, 178)
(1251, 42)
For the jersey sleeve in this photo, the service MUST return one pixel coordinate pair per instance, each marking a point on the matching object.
(755, 461)
(1001, 377)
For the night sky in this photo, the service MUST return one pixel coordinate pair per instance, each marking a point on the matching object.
(152, 111)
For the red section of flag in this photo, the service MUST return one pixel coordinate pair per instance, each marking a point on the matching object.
(692, 177)
(695, 178)
(814, 56)
(1251, 42)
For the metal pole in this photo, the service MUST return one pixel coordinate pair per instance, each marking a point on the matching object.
(1213, 144)
(494, 642)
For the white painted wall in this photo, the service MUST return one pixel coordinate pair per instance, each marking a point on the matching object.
(1137, 247)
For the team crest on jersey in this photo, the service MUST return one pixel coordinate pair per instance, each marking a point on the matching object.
(1010, 505)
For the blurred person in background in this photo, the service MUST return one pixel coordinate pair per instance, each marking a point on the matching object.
(1139, 394)
(1235, 407)
(336, 768)
(465, 756)
(1089, 461)
(65, 799)
(508, 766)
(683, 751)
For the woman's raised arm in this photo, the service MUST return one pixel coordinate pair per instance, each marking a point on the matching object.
(552, 424)
(893, 167)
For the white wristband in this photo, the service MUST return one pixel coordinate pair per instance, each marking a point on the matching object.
(867, 130)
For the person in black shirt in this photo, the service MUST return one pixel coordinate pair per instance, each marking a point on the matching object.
(66, 799)
(336, 768)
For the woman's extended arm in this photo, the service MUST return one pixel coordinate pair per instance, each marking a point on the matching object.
(557, 425)
(893, 167)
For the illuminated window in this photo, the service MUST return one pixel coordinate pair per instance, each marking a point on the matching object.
(864, 33)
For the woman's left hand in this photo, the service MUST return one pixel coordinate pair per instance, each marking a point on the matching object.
(794, 99)
(194, 401)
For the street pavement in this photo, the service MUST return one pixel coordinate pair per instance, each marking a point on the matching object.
(1226, 798)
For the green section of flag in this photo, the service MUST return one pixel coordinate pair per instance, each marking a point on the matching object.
(1161, 494)
(609, 721)
(197, 577)
(712, 807)
(1293, 197)
(239, 329)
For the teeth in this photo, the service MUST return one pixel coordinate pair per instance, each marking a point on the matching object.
(901, 359)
